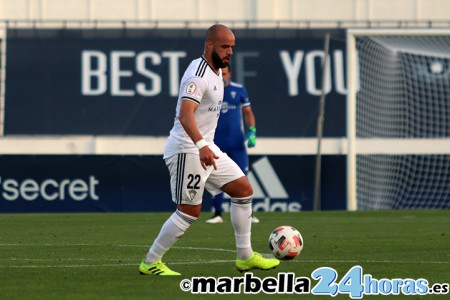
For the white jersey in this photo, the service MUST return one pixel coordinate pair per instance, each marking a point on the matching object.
(205, 87)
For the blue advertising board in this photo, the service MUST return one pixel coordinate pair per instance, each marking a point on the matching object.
(126, 81)
(90, 183)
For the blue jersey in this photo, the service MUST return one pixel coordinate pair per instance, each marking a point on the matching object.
(230, 132)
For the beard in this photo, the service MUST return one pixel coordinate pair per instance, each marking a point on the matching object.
(217, 61)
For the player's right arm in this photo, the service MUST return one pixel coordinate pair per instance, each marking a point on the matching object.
(189, 123)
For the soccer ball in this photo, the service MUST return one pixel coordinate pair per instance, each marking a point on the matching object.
(285, 242)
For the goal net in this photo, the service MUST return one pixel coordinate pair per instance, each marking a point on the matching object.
(398, 119)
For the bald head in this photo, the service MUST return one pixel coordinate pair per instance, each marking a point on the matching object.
(219, 43)
(216, 31)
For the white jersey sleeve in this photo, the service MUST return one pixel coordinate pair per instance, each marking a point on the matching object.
(193, 89)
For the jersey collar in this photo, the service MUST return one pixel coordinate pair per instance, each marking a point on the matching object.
(217, 73)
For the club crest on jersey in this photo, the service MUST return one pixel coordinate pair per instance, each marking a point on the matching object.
(233, 94)
(192, 194)
(191, 87)
(224, 107)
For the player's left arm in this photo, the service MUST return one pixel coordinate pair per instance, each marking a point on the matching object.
(250, 122)
(249, 118)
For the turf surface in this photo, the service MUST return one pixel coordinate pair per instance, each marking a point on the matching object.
(95, 256)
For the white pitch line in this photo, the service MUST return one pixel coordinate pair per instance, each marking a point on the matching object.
(67, 259)
(203, 262)
(74, 245)
(120, 265)
(199, 248)
(107, 245)
(177, 262)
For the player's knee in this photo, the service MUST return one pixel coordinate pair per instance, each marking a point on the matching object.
(245, 190)
(248, 190)
(239, 188)
(191, 210)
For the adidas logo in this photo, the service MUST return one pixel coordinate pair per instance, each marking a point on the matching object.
(269, 180)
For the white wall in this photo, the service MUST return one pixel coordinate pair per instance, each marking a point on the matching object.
(229, 10)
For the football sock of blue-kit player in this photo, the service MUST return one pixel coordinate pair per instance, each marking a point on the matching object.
(171, 231)
(240, 214)
(217, 201)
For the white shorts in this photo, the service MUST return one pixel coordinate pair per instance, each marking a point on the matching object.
(188, 179)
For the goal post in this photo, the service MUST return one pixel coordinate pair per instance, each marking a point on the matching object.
(398, 118)
(2, 79)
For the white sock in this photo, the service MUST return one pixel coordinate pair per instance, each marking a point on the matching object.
(241, 218)
(171, 231)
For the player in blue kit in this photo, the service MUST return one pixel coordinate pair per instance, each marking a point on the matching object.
(230, 134)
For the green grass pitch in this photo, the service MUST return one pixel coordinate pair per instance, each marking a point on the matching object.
(96, 256)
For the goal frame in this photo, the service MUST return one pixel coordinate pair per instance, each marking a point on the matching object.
(354, 146)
